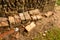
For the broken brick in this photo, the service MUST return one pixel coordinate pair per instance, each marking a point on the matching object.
(11, 19)
(30, 26)
(4, 23)
(21, 16)
(27, 16)
(17, 19)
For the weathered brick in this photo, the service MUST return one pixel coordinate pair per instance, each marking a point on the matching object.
(27, 16)
(3, 19)
(17, 19)
(11, 19)
(21, 16)
(4, 23)
(30, 26)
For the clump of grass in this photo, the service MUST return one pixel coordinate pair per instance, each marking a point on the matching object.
(58, 2)
(52, 34)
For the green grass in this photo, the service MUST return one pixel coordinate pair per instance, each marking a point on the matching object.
(52, 34)
(58, 2)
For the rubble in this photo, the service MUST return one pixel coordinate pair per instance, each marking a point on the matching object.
(17, 11)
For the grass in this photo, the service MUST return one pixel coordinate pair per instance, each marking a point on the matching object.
(52, 34)
(58, 2)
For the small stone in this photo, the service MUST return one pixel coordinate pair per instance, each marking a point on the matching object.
(16, 29)
(45, 31)
(44, 34)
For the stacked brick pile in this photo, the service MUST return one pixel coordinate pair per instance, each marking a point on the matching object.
(22, 14)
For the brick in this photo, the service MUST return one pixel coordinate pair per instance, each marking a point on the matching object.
(30, 26)
(4, 23)
(17, 19)
(21, 16)
(27, 16)
(11, 19)
(3, 19)
(16, 16)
